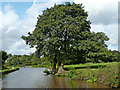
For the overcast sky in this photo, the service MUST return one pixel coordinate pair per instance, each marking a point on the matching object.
(19, 18)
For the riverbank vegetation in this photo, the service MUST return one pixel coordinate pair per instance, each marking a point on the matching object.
(63, 41)
(4, 69)
(8, 70)
(105, 73)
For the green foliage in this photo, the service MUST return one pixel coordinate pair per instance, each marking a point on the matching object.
(17, 60)
(63, 74)
(3, 57)
(27, 60)
(47, 72)
(71, 74)
(92, 78)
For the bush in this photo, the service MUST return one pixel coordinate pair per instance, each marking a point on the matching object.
(47, 72)
(71, 73)
(92, 77)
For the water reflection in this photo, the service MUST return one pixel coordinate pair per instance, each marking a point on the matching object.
(62, 82)
(35, 78)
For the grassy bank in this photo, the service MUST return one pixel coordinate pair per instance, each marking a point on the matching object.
(6, 71)
(87, 65)
(40, 65)
(104, 73)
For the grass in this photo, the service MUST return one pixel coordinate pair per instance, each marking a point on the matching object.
(87, 65)
(8, 70)
(104, 73)
(40, 65)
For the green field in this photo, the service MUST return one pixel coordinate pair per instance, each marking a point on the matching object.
(88, 65)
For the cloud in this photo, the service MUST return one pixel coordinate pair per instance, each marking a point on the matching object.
(13, 27)
(101, 11)
(38, 7)
(104, 17)
(20, 47)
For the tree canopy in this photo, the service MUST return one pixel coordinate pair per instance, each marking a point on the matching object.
(63, 33)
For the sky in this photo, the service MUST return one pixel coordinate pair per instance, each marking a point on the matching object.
(19, 17)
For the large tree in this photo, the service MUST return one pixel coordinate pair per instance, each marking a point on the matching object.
(62, 31)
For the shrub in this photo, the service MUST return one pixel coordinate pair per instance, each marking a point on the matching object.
(47, 72)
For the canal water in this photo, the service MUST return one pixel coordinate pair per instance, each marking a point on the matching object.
(35, 78)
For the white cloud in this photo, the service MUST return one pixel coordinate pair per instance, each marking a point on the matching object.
(38, 7)
(101, 11)
(10, 29)
(20, 47)
(8, 18)
(104, 17)
(13, 27)
(94, 5)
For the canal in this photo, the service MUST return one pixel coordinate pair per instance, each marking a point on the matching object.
(35, 78)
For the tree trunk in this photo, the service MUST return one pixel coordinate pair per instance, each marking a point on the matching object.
(61, 70)
(54, 67)
(54, 64)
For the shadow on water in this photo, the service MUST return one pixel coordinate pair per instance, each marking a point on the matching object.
(35, 78)
(62, 82)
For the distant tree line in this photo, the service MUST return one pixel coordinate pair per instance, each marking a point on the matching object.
(27, 60)
(33, 59)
